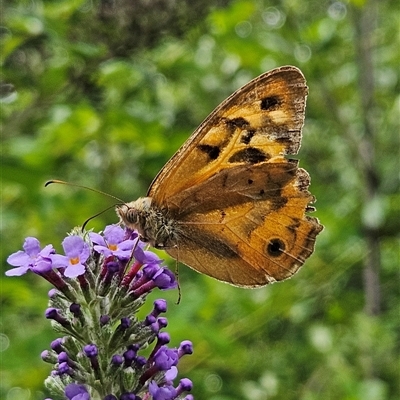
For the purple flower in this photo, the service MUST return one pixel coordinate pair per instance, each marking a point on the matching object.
(90, 350)
(145, 257)
(165, 392)
(57, 345)
(76, 254)
(104, 319)
(165, 279)
(185, 385)
(116, 359)
(76, 392)
(186, 347)
(160, 306)
(75, 309)
(53, 313)
(64, 368)
(113, 243)
(165, 358)
(31, 258)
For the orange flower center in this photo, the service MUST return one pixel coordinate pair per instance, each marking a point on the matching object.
(74, 261)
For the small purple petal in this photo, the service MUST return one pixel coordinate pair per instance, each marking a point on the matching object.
(73, 246)
(31, 246)
(114, 234)
(59, 261)
(19, 258)
(72, 271)
(17, 271)
(98, 239)
(171, 374)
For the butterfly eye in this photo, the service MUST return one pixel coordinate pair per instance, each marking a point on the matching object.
(132, 216)
(275, 247)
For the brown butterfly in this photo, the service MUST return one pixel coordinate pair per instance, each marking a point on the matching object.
(229, 204)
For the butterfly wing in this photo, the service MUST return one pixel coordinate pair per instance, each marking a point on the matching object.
(259, 121)
(239, 204)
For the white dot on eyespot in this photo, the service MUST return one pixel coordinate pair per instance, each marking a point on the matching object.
(213, 383)
(4, 342)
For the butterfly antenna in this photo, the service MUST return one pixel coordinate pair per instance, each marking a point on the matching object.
(84, 187)
(177, 278)
(120, 202)
(96, 215)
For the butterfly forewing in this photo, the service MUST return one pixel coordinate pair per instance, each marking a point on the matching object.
(260, 121)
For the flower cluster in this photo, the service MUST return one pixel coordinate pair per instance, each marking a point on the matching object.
(99, 285)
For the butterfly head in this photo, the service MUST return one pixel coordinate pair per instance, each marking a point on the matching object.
(153, 225)
(132, 214)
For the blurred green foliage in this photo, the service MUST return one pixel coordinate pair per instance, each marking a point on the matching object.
(101, 93)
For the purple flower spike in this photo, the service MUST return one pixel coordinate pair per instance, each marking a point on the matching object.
(32, 257)
(76, 254)
(96, 297)
(76, 392)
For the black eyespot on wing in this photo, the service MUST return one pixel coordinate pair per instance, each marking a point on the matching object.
(268, 103)
(275, 247)
(239, 122)
(211, 151)
(250, 155)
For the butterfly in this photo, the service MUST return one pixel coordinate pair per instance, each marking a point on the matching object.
(229, 203)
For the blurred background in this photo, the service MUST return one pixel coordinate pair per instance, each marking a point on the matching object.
(102, 93)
